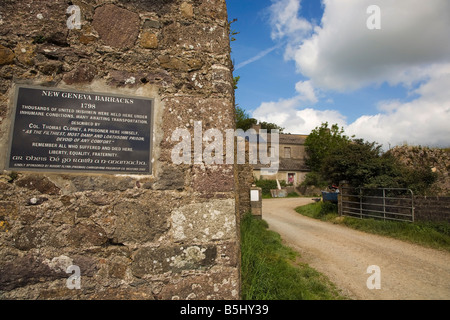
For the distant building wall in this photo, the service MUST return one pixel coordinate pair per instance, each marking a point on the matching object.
(292, 166)
(297, 151)
(299, 176)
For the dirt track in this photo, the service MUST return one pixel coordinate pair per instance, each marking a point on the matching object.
(408, 271)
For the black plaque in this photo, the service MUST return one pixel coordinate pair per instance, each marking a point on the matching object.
(72, 131)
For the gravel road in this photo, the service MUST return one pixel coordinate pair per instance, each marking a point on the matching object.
(407, 271)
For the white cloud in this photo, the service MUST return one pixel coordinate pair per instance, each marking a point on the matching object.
(343, 54)
(289, 114)
(313, 118)
(286, 22)
(411, 49)
(279, 112)
(306, 91)
(423, 121)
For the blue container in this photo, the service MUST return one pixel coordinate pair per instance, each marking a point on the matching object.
(330, 196)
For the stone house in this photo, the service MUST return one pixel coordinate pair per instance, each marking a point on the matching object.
(292, 155)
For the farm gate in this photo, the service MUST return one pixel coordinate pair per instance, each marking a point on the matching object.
(378, 203)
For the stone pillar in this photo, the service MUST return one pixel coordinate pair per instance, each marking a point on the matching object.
(256, 201)
(171, 233)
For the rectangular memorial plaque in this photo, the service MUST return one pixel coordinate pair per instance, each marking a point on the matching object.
(63, 130)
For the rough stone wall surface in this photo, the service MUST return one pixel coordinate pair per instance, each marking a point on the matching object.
(169, 235)
(245, 182)
(432, 208)
(424, 157)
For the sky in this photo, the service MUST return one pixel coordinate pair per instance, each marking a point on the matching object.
(378, 68)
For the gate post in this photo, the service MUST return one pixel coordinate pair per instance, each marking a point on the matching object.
(412, 204)
(340, 203)
(342, 185)
(360, 203)
(256, 201)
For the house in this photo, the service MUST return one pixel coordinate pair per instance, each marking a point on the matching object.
(292, 155)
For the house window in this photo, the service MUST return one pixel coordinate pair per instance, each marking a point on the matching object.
(287, 152)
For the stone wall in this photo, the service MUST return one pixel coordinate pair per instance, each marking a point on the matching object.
(418, 157)
(172, 234)
(432, 209)
(244, 181)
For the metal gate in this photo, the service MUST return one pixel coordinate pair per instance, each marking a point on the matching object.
(381, 203)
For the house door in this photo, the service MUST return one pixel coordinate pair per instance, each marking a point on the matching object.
(291, 178)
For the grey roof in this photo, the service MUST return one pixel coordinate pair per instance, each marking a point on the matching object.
(293, 165)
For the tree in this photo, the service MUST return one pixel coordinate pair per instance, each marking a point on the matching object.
(235, 82)
(232, 32)
(321, 142)
(363, 164)
(357, 162)
(270, 126)
(334, 157)
(243, 120)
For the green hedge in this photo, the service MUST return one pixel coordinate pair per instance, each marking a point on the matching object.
(266, 185)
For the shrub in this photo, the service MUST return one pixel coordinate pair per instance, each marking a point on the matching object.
(327, 208)
(266, 185)
(314, 178)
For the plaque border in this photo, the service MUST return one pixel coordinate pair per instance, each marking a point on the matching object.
(13, 111)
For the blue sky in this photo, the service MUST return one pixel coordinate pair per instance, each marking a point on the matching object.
(303, 62)
(268, 78)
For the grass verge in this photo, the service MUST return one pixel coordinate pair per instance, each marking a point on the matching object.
(430, 234)
(270, 270)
